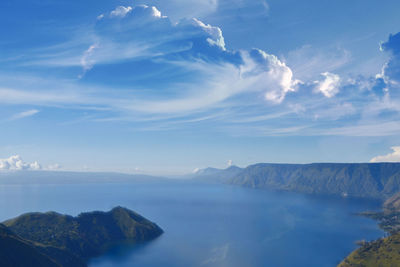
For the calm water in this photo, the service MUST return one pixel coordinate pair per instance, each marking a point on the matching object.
(212, 225)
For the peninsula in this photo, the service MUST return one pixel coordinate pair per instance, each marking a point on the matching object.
(53, 239)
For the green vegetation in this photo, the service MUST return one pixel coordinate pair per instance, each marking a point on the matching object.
(53, 239)
(384, 252)
(389, 222)
(15, 251)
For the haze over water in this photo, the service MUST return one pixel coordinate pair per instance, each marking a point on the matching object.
(212, 225)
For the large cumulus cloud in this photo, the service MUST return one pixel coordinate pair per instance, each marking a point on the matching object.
(127, 35)
(144, 32)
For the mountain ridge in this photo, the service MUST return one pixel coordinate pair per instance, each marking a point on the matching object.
(361, 180)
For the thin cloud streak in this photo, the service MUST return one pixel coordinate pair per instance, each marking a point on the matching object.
(24, 114)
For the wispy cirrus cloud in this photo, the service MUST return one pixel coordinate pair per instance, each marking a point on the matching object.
(24, 114)
(308, 62)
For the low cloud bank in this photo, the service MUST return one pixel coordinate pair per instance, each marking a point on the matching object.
(16, 163)
(391, 157)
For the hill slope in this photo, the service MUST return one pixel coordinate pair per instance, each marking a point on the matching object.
(392, 204)
(384, 252)
(14, 251)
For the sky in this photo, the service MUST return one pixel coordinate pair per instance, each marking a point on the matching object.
(166, 87)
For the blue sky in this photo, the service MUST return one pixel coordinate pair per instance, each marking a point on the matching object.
(165, 87)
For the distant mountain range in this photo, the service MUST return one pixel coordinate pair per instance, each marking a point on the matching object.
(52, 239)
(364, 180)
(65, 177)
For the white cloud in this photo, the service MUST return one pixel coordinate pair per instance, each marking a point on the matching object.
(21, 96)
(156, 13)
(86, 61)
(24, 114)
(216, 38)
(229, 163)
(335, 112)
(270, 73)
(266, 6)
(267, 76)
(53, 167)
(391, 157)
(187, 8)
(144, 33)
(120, 11)
(35, 166)
(16, 163)
(142, 12)
(308, 61)
(199, 48)
(329, 86)
(391, 70)
(377, 128)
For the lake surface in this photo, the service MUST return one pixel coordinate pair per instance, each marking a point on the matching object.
(212, 225)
